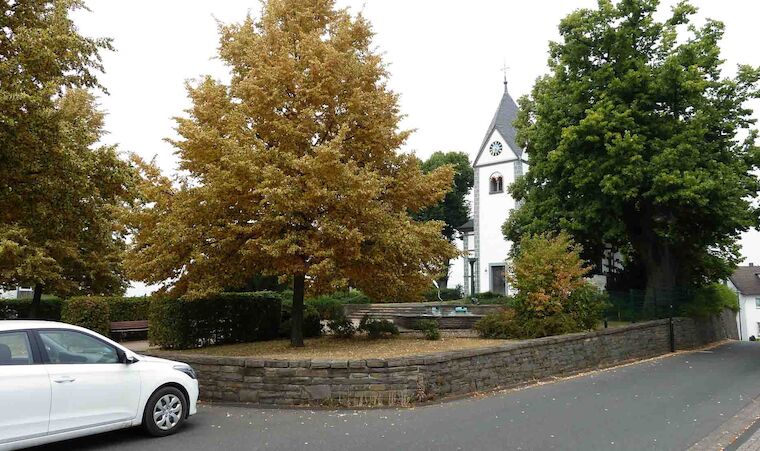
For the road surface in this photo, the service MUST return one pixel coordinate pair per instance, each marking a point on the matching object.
(664, 404)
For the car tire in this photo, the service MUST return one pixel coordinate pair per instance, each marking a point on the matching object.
(165, 412)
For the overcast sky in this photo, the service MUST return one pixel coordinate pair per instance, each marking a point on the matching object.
(445, 60)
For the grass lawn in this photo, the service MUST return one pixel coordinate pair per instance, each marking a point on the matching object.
(330, 348)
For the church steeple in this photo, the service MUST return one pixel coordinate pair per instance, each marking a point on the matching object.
(506, 113)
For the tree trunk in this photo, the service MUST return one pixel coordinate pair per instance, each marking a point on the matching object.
(659, 260)
(296, 318)
(661, 271)
(34, 307)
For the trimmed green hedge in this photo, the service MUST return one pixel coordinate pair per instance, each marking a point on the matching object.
(50, 308)
(214, 320)
(124, 309)
(90, 312)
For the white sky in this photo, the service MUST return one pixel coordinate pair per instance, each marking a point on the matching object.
(445, 58)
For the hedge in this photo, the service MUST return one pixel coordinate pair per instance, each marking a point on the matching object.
(50, 308)
(214, 320)
(90, 312)
(124, 309)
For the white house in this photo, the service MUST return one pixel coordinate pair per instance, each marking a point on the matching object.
(18, 293)
(498, 162)
(745, 281)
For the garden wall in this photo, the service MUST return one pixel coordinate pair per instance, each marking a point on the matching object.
(404, 380)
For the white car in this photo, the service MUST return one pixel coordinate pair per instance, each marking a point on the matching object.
(59, 381)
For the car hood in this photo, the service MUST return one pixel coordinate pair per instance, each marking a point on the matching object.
(151, 359)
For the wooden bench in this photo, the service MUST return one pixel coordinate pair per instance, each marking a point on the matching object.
(124, 327)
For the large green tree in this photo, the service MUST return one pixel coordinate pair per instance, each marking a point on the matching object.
(454, 209)
(293, 170)
(59, 192)
(638, 139)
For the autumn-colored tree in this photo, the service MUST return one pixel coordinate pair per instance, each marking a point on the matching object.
(59, 193)
(292, 170)
(546, 271)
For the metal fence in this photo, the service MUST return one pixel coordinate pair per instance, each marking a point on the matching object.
(633, 306)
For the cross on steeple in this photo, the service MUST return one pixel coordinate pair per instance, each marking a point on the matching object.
(504, 70)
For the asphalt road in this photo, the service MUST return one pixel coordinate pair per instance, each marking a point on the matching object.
(667, 403)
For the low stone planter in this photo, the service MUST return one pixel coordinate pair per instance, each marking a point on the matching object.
(405, 380)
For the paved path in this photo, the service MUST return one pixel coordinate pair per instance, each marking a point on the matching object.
(668, 403)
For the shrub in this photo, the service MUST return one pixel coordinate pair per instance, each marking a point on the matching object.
(586, 305)
(129, 309)
(214, 320)
(545, 271)
(342, 328)
(508, 324)
(377, 328)
(430, 328)
(50, 308)
(90, 312)
(328, 307)
(6, 312)
(312, 326)
(447, 294)
(500, 324)
(710, 301)
(125, 309)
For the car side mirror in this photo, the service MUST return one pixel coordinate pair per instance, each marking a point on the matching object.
(125, 358)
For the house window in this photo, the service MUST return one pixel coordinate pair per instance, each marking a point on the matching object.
(757, 302)
(497, 183)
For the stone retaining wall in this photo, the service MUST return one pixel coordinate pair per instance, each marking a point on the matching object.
(401, 381)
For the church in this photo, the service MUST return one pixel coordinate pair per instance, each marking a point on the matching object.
(497, 163)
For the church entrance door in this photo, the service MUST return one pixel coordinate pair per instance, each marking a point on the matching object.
(498, 280)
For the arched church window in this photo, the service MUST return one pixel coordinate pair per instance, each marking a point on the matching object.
(497, 183)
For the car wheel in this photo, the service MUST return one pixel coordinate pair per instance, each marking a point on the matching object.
(165, 412)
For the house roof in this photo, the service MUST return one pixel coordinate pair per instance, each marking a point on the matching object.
(502, 121)
(747, 279)
(468, 226)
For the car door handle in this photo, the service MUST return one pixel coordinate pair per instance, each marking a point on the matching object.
(63, 379)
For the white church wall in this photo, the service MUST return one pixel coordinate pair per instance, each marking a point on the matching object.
(456, 270)
(493, 212)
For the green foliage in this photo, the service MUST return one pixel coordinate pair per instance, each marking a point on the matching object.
(328, 307)
(637, 140)
(586, 305)
(430, 328)
(454, 209)
(377, 328)
(49, 309)
(312, 326)
(582, 310)
(214, 320)
(710, 301)
(89, 312)
(342, 328)
(501, 324)
(125, 309)
(497, 300)
(508, 324)
(447, 294)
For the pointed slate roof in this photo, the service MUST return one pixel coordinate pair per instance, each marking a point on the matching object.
(747, 279)
(502, 121)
